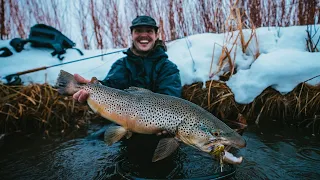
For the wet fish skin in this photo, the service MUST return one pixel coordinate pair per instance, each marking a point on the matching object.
(142, 111)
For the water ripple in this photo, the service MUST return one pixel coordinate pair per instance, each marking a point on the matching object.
(310, 153)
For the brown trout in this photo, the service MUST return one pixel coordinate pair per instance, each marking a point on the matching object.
(140, 110)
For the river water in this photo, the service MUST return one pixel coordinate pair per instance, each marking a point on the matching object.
(271, 153)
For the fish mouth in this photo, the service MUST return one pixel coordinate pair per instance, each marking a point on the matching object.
(237, 142)
(219, 148)
(228, 142)
(221, 152)
(231, 159)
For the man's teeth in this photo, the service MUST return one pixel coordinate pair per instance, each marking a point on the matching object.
(144, 41)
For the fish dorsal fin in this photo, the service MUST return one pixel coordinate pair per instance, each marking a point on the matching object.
(166, 146)
(94, 80)
(114, 133)
(133, 89)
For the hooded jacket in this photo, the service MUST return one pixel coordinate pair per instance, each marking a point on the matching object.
(154, 72)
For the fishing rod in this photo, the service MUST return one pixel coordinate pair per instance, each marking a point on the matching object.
(10, 76)
(16, 75)
(311, 78)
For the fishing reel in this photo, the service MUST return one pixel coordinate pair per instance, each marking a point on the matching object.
(12, 80)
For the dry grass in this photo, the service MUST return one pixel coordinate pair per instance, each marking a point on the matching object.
(300, 107)
(234, 37)
(39, 108)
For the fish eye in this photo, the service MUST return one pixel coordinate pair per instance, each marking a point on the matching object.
(215, 133)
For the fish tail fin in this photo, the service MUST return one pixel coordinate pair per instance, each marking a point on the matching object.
(66, 83)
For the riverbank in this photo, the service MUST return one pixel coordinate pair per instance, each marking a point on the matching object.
(39, 108)
(299, 108)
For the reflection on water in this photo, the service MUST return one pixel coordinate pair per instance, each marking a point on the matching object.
(74, 159)
(311, 153)
(275, 155)
(279, 155)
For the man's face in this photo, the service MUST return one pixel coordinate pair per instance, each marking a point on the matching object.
(144, 38)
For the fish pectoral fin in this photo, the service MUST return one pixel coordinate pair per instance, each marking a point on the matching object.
(129, 134)
(114, 134)
(166, 146)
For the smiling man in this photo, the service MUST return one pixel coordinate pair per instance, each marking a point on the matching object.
(146, 65)
(144, 38)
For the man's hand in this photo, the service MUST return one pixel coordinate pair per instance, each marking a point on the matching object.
(82, 95)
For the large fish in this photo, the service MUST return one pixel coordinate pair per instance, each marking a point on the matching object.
(142, 111)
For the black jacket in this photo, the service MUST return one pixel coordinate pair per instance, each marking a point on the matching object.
(154, 72)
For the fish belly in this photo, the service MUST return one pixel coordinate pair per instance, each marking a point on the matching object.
(132, 123)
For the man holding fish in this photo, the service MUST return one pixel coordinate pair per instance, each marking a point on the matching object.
(146, 66)
(141, 94)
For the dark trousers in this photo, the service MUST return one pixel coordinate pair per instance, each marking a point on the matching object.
(139, 150)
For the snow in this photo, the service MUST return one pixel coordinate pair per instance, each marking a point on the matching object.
(282, 70)
(283, 63)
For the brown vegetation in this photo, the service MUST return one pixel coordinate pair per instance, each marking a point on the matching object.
(234, 25)
(110, 21)
(38, 108)
(300, 107)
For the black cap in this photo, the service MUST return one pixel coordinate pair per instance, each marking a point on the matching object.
(144, 21)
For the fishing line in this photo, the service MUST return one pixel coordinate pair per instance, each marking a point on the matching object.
(94, 67)
(193, 63)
